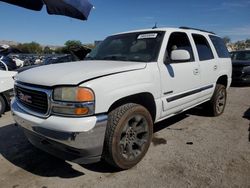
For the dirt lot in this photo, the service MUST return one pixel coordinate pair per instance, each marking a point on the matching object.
(190, 150)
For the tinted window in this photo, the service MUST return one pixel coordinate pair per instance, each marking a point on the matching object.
(232, 54)
(241, 55)
(203, 48)
(179, 41)
(220, 47)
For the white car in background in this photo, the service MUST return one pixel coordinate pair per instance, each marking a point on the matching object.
(6, 86)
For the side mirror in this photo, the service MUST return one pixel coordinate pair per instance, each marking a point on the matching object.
(180, 56)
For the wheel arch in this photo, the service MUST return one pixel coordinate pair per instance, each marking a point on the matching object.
(223, 79)
(145, 99)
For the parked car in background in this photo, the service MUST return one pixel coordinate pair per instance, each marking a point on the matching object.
(60, 59)
(52, 59)
(241, 66)
(9, 62)
(75, 54)
(7, 71)
(6, 86)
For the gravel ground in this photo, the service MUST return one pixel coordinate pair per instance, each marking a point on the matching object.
(189, 150)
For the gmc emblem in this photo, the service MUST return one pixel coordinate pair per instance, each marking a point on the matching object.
(24, 98)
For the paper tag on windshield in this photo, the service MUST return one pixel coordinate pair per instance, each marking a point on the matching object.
(147, 36)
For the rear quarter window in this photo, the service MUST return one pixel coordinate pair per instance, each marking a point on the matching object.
(219, 46)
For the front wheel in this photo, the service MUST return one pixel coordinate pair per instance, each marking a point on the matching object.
(128, 135)
(218, 101)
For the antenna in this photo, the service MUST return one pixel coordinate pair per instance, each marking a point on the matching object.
(155, 26)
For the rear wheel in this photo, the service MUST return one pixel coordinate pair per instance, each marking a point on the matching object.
(218, 101)
(2, 105)
(128, 135)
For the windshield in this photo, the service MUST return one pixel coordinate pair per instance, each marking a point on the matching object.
(241, 55)
(139, 47)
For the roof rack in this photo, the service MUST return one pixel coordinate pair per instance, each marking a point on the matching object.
(197, 29)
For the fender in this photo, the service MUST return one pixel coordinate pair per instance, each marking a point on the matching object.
(124, 84)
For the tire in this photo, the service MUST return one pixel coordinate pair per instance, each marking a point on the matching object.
(2, 105)
(128, 135)
(218, 101)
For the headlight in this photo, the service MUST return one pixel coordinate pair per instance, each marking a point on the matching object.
(73, 94)
(73, 101)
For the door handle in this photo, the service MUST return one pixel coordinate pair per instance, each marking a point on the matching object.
(215, 67)
(196, 71)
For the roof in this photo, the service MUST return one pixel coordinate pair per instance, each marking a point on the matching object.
(170, 29)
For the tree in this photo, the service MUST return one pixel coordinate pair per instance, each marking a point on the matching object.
(47, 50)
(91, 46)
(72, 43)
(240, 45)
(59, 50)
(247, 43)
(32, 47)
(226, 39)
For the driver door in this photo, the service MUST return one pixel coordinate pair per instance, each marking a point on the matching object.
(180, 81)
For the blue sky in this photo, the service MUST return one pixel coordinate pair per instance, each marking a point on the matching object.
(226, 18)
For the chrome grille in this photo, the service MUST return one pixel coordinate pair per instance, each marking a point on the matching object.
(33, 99)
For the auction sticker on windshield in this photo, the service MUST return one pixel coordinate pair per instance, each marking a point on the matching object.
(147, 36)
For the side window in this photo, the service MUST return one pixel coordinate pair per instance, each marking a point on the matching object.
(179, 40)
(219, 46)
(203, 48)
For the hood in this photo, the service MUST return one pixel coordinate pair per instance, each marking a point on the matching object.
(74, 73)
(240, 63)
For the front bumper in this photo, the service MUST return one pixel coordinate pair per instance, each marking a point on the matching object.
(244, 79)
(239, 75)
(76, 139)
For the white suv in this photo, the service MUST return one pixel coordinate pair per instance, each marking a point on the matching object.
(105, 106)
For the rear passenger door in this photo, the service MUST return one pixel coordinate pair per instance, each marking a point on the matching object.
(180, 81)
(207, 63)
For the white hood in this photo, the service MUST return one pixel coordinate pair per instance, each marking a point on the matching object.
(74, 73)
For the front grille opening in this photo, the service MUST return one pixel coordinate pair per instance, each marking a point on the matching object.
(33, 100)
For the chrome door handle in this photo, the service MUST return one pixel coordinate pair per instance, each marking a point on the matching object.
(215, 67)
